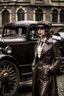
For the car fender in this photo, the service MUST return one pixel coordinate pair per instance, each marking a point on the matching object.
(10, 58)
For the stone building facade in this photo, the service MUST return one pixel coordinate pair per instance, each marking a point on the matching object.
(16, 10)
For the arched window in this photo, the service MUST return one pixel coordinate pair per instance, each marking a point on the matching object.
(62, 16)
(5, 17)
(20, 15)
(38, 15)
(54, 16)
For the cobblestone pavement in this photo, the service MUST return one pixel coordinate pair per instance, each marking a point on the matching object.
(60, 83)
(25, 89)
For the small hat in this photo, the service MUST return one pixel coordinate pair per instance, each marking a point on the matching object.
(40, 26)
(44, 24)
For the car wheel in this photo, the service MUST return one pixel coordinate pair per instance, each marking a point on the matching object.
(9, 78)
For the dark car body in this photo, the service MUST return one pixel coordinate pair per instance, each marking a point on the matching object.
(16, 54)
(21, 45)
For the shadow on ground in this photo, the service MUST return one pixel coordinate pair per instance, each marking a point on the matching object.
(24, 90)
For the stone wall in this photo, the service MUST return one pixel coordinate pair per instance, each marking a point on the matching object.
(29, 7)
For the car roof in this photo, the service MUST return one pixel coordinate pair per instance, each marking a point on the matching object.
(20, 23)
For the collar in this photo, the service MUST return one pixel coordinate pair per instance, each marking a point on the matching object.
(44, 39)
(51, 40)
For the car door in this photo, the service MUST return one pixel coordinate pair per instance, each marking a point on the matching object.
(33, 38)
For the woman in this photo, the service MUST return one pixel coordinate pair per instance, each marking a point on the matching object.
(46, 61)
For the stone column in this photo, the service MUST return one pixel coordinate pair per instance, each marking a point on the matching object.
(25, 15)
(32, 1)
(44, 15)
(13, 14)
(29, 14)
(48, 15)
(58, 17)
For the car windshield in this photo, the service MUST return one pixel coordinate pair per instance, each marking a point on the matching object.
(21, 31)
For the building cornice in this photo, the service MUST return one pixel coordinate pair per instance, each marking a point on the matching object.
(25, 4)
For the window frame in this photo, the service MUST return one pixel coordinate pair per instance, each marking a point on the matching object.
(55, 16)
(21, 14)
(39, 13)
(5, 14)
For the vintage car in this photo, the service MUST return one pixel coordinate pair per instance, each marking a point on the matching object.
(16, 54)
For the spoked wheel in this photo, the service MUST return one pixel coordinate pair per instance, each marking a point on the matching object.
(9, 78)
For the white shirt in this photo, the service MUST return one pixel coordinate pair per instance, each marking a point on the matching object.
(40, 47)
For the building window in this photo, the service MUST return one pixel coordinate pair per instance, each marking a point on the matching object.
(20, 15)
(5, 17)
(38, 15)
(62, 16)
(54, 16)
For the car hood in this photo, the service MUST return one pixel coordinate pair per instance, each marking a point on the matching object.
(11, 39)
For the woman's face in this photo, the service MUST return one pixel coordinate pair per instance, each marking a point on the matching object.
(41, 32)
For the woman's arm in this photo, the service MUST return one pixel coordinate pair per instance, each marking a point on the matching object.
(57, 57)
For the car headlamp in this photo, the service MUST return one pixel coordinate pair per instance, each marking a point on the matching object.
(8, 50)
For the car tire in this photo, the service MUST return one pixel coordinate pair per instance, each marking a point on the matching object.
(9, 78)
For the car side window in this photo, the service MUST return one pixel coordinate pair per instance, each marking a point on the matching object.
(8, 32)
(22, 31)
(33, 34)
